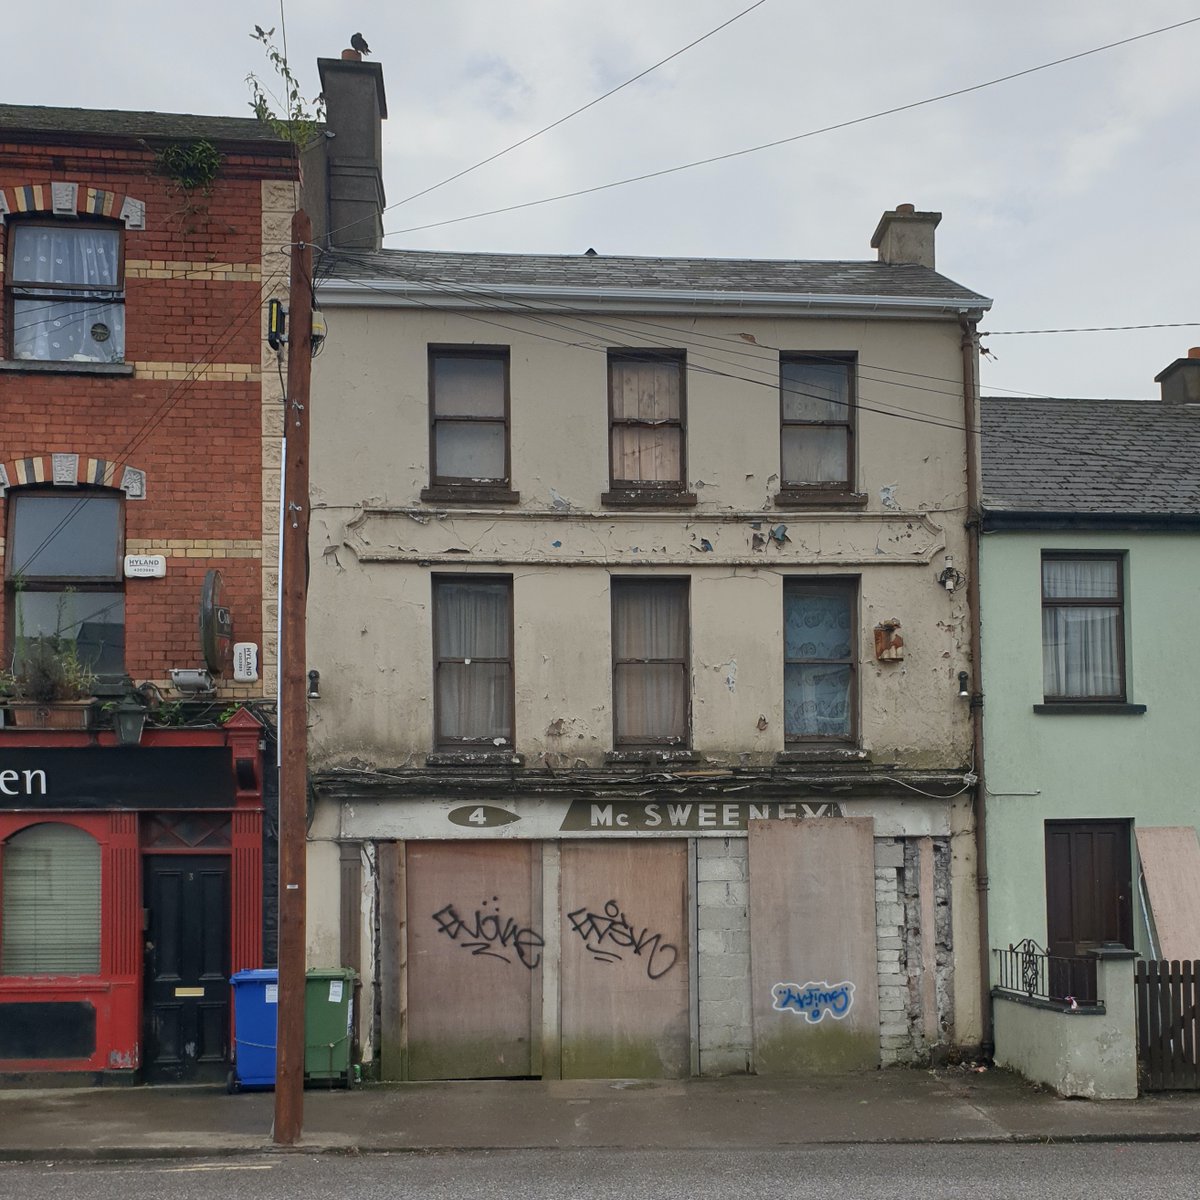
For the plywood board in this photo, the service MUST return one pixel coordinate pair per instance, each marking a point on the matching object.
(624, 971)
(474, 959)
(1170, 858)
(815, 991)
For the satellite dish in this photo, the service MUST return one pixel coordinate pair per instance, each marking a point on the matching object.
(216, 624)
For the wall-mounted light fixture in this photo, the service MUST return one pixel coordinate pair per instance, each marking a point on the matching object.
(192, 681)
(314, 685)
(964, 686)
(129, 719)
(949, 578)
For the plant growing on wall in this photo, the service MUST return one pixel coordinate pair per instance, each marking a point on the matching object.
(293, 119)
(50, 669)
(191, 166)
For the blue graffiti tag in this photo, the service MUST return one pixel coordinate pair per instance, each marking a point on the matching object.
(814, 1000)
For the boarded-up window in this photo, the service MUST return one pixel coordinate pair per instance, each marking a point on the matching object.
(473, 660)
(1083, 655)
(651, 670)
(468, 401)
(51, 902)
(817, 422)
(819, 660)
(647, 413)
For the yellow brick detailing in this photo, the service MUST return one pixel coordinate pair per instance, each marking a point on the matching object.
(160, 268)
(197, 548)
(206, 372)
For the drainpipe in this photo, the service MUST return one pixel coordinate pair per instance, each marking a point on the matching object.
(971, 419)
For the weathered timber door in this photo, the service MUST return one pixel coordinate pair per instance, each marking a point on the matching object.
(186, 968)
(625, 988)
(814, 981)
(474, 959)
(1088, 899)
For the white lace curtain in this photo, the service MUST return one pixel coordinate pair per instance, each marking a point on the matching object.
(650, 634)
(474, 696)
(1081, 643)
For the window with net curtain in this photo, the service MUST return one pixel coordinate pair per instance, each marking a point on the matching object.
(817, 422)
(1083, 634)
(473, 667)
(651, 667)
(469, 414)
(819, 660)
(646, 407)
(50, 914)
(66, 287)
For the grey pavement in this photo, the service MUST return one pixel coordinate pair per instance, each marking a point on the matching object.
(743, 1112)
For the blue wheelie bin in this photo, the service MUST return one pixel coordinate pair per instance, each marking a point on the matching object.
(255, 1017)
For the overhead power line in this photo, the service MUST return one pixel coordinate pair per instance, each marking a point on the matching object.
(1092, 328)
(875, 116)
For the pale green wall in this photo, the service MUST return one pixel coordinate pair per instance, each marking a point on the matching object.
(1090, 766)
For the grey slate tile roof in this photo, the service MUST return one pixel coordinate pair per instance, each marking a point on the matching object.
(1121, 457)
(115, 123)
(740, 276)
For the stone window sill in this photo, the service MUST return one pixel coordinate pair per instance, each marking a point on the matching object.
(475, 758)
(469, 494)
(1072, 709)
(816, 498)
(649, 498)
(36, 366)
(650, 756)
(822, 754)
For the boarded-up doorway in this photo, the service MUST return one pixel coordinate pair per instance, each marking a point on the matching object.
(474, 959)
(815, 988)
(625, 990)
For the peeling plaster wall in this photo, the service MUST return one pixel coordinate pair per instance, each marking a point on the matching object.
(374, 544)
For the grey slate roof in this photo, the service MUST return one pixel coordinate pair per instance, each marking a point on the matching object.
(740, 276)
(114, 123)
(1122, 457)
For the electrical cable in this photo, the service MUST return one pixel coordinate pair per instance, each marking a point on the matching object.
(716, 158)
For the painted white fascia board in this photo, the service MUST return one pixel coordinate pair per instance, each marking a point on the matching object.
(526, 298)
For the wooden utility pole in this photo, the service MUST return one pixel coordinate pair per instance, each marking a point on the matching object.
(293, 706)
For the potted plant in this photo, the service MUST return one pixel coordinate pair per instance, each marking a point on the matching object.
(50, 687)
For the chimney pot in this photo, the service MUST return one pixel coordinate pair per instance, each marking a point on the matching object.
(1180, 381)
(351, 56)
(904, 235)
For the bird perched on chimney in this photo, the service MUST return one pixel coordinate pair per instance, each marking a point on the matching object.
(359, 43)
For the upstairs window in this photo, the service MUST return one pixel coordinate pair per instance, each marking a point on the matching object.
(66, 292)
(819, 678)
(473, 663)
(1083, 628)
(647, 426)
(651, 668)
(64, 579)
(469, 418)
(817, 424)
(50, 912)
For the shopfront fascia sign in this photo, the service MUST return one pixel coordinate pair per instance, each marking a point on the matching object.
(135, 777)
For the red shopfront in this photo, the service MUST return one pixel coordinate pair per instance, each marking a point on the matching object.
(130, 890)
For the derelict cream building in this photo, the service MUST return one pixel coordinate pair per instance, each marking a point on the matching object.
(637, 601)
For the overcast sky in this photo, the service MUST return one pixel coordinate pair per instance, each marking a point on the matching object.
(1070, 196)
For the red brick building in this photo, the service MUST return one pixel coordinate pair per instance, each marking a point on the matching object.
(140, 418)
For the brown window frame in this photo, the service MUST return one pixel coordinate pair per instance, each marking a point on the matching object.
(34, 290)
(850, 587)
(486, 742)
(59, 583)
(459, 487)
(648, 492)
(683, 584)
(797, 492)
(1118, 558)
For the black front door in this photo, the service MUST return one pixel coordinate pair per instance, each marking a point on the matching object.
(187, 968)
(1088, 899)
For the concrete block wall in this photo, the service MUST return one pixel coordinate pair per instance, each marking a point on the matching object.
(723, 955)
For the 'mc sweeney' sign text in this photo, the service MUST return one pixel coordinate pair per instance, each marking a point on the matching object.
(690, 815)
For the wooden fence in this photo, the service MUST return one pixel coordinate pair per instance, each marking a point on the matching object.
(1168, 1026)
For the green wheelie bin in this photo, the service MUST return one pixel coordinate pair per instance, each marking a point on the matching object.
(329, 1026)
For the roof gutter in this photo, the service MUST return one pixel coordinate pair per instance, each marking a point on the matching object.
(392, 293)
(996, 521)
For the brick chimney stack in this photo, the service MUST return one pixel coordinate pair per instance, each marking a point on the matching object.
(904, 235)
(1181, 380)
(355, 106)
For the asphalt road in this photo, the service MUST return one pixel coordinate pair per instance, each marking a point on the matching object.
(1076, 1172)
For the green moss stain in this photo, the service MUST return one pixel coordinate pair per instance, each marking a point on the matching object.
(467, 1058)
(809, 1050)
(624, 1058)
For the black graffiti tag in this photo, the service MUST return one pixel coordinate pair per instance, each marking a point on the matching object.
(491, 934)
(612, 928)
